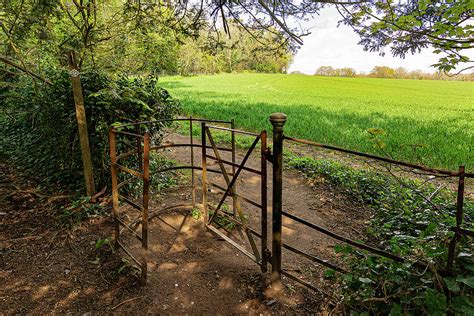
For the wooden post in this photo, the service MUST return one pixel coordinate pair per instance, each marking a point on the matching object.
(146, 198)
(277, 120)
(115, 194)
(82, 124)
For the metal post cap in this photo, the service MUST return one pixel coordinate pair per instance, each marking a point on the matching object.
(278, 120)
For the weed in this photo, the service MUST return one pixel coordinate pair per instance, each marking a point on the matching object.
(79, 210)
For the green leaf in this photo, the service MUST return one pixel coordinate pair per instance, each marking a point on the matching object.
(396, 310)
(365, 280)
(435, 302)
(463, 304)
(468, 280)
(452, 285)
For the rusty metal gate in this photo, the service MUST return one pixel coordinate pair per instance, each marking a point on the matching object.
(237, 216)
(134, 142)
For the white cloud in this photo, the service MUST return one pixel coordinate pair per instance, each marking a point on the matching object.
(329, 45)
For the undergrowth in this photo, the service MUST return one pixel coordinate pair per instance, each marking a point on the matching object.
(405, 223)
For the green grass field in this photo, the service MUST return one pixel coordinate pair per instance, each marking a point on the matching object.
(428, 122)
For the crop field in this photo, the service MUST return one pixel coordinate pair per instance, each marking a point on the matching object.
(422, 121)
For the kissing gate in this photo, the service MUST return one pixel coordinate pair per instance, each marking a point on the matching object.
(138, 148)
(134, 142)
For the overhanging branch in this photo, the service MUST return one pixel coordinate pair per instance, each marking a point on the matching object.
(7, 61)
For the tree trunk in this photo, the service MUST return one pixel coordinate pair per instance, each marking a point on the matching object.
(82, 124)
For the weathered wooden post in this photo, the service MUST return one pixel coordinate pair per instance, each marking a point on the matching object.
(146, 198)
(278, 121)
(82, 124)
(114, 173)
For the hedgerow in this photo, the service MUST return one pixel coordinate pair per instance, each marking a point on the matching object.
(407, 224)
(39, 126)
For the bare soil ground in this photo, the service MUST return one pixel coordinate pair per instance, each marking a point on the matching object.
(48, 268)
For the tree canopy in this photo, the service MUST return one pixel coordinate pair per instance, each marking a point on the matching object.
(410, 26)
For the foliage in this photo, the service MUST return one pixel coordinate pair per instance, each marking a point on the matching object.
(237, 52)
(40, 126)
(388, 72)
(407, 224)
(339, 111)
(79, 210)
(413, 25)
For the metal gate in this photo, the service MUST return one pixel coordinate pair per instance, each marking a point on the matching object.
(135, 142)
(238, 216)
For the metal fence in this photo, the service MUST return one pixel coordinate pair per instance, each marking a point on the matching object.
(278, 120)
(141, 145)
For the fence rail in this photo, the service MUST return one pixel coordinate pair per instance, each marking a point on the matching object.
(278, 120)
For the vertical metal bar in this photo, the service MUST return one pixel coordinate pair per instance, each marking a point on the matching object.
(204, 174)
(263, 193)
(193, 192)
(139, 148)
(459, 216)
(234, 198)
(277, 120)
(146, 197)
(114, 175)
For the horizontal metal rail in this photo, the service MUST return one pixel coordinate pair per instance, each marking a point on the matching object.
(306, 284)
(302, 253)
(128, 170)
(187, 167)
(174, 120)
(169, 145)
(128, 134)
(129, 229)
(389, 160)
(130, 202)
(313, 258)
(236, 194)
(238, 131)
(235, 165)
(126, 154)
(127, 181)
(377, 251)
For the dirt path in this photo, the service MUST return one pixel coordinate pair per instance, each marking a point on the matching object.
(46, 268)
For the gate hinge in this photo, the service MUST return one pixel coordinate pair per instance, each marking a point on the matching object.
(268, 155)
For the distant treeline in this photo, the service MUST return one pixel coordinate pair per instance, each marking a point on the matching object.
(394, 73)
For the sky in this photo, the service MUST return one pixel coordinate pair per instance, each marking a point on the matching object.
(329, 45)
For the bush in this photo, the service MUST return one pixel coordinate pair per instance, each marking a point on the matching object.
(407, 224)
(40, 128)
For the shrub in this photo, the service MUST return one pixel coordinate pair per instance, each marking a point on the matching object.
(40, 128)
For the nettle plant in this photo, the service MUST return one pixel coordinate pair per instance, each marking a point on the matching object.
(407, 224)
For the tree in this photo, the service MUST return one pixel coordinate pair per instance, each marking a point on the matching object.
(382, 72)
(400, 73)
(325, 71)
(413, 25)
(347, 72)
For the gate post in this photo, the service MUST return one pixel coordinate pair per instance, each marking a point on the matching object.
(114, 175)
(204, 174)
(277, 120)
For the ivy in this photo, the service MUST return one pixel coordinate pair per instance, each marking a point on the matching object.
(40, 124)
(405, 223)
